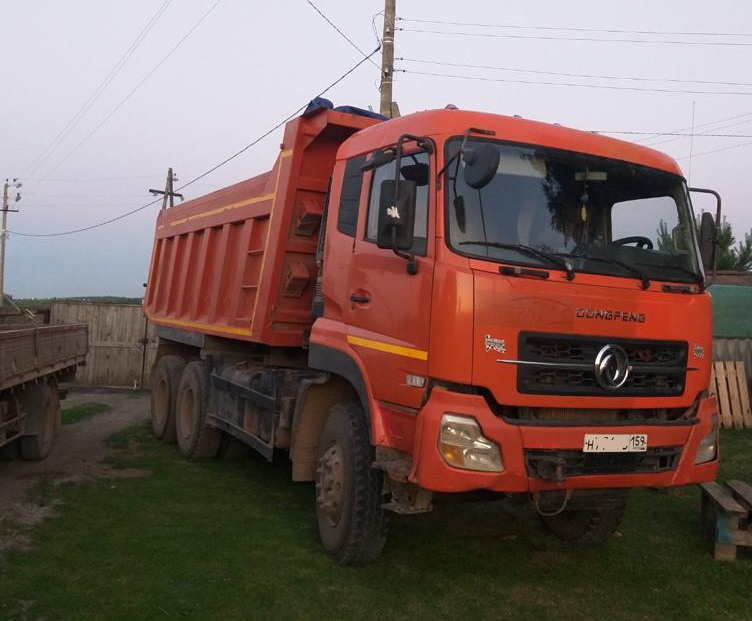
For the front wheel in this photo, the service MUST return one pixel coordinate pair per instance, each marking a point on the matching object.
(586, 526)
(352, 523)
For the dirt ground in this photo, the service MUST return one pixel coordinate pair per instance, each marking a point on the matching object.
(77, 455)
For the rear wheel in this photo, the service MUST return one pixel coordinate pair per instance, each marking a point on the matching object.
(352, 523)
(164, 394)
(586, 526)
(41, 405)
(196, 440)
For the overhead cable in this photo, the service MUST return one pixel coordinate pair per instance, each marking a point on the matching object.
(348, 39)
(580, 39)
(74, 120)
(208, 172)
(132, 92)
(570, 29)
(572, 84)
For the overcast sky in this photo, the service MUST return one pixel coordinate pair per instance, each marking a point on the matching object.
(247, 65)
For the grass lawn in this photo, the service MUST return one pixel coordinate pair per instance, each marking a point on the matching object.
(238, 540)
(78, 413)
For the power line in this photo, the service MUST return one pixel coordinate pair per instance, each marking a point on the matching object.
(561, 28)
(91, 180)
(348, 39)
(586, 39)
(131, 93)
(709, 123)
(733, 146)
(74, 120)
(678, 134)
(208, 172)
(573, 75)
(660, 142)
(571, 84)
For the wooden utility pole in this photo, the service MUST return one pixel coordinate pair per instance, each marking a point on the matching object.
(168, 191)
(387, 57)
(4, 233)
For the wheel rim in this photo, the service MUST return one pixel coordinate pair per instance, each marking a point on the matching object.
(330, 486)
(187, 414)
(161, 403)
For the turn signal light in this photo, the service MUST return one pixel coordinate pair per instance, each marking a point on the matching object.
(463, 445)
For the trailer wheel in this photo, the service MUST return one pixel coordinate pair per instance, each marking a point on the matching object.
(36, 447)
(196, 440)
(352, 523)
(586, 526)
(164, 394)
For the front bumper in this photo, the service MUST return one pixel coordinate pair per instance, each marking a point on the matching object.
(430, 471)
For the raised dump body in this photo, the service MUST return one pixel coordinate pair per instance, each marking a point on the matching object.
(241, 262)
(33, 359)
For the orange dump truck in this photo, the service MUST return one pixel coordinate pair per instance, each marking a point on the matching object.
(449, 301)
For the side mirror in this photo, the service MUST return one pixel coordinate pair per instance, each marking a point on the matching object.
(397, 201)
(707, 240)
(481, 165)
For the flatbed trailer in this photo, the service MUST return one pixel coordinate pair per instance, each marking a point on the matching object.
(34, 361)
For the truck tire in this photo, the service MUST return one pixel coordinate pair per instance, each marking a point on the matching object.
(196, 440)
(164, 394)
(37, 446)
(586, 526)
(352, 523)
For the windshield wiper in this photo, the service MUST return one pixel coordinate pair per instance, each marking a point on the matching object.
(530, 251)
(625, 266)
(694, 275)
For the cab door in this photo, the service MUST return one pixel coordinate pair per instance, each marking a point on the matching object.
(389, 309)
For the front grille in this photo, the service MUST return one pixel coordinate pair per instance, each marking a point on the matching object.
(555, 465)
(564, 365)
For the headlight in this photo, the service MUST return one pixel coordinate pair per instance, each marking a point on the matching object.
(708, 448)
(463, 445)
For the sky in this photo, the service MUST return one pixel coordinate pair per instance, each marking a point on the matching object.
(187, 83)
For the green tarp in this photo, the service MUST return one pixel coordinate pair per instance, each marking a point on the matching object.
(732, 311)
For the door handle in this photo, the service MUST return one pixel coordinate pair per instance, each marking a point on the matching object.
(359, 299)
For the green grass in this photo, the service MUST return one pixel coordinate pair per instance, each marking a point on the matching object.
(77, 413)
(238, 540)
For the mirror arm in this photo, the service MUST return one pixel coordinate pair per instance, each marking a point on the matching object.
(412, 264)
(717, 223)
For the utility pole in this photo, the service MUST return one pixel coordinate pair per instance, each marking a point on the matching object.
(4, 232)
(168, 191)
(387, 58)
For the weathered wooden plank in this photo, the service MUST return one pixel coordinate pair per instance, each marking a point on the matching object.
(742, 492)
(741, 376)
(723, 498)
(723, 396)
(734, 398)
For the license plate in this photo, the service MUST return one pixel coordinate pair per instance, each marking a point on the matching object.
(615, 443)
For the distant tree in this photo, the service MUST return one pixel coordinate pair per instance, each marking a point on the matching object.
(733, 256)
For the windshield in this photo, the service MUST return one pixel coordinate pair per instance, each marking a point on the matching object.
(603, 216)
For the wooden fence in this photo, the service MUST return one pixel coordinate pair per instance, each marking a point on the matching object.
(122, 344)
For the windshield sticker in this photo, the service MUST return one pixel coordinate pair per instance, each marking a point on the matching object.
(497, 345)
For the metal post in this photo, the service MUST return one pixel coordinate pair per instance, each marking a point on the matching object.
(3, 237)
(387, 57)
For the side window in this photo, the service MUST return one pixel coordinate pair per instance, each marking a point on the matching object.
(655, 218)
(347, 218)
(415, 167)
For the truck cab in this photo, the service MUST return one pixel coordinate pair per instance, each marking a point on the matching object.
(543, 324)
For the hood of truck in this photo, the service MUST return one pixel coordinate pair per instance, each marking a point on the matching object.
(535, 341)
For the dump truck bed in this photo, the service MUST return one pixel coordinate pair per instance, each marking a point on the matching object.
(27, 353)
(241, 262)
